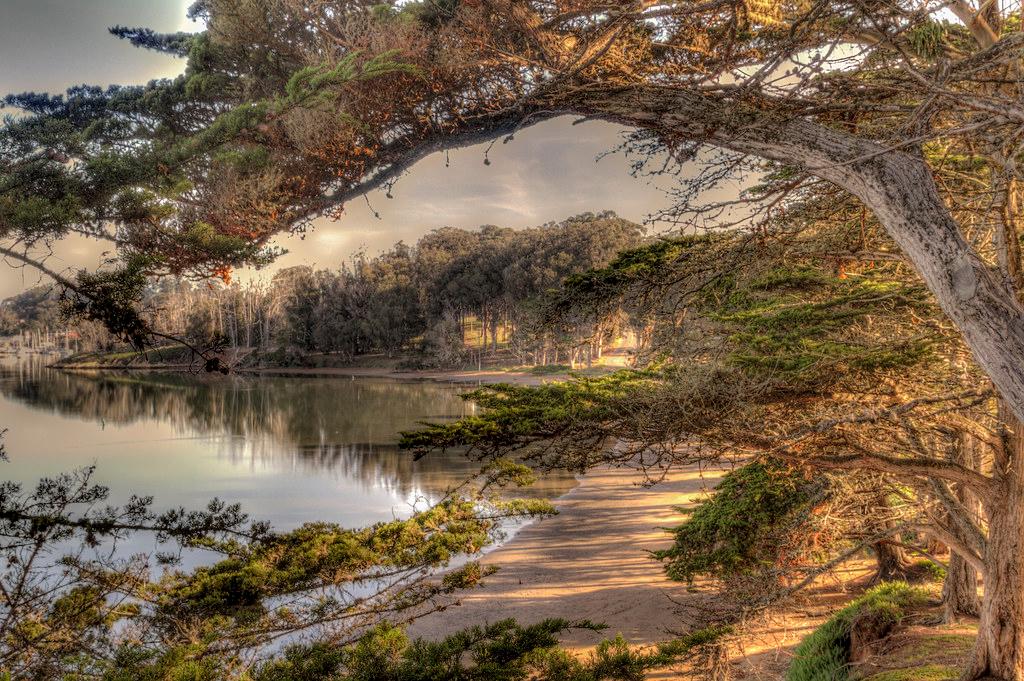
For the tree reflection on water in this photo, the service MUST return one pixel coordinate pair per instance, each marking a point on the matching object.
(337, 426)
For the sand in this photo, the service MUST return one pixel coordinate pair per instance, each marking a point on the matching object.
(588, 562)
(591, 562)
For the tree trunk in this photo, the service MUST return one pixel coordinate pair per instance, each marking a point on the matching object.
(999, 649)
(960, 588)
(892, 562)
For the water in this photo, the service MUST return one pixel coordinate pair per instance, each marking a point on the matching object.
(290, 450)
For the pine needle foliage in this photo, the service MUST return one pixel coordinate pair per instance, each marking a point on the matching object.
(753, 519)
(739, 330)
(502, 651)
(513, 416)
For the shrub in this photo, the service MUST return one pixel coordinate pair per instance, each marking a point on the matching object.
(752, 520)
(824, 655)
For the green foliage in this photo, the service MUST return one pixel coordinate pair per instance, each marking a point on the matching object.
(320, 554)
(932, 571)
(110, 297)
(434, 13)
(931, 39)
(216, 248)
(39, 214)
(630, 267)
(314, 662)
(550, 369)
(311, 85)
(925, 655)
(224, 130)
(806, 326)
(108, 618)
(753, 516)
(515, 415)
(503, 651)
(825, 653)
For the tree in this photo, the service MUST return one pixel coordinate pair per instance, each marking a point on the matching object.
(250, 142)
(661, 69)
(74, 605)
(778, 356)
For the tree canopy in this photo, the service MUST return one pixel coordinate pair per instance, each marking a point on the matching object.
(865, 348)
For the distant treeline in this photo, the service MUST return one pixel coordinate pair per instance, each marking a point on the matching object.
(454, 296)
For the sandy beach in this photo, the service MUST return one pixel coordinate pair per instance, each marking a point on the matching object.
(588, 562)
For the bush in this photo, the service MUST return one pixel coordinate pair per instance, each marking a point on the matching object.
(753, 522)
(824, 655)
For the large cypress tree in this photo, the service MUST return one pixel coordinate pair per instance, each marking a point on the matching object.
(288, 109)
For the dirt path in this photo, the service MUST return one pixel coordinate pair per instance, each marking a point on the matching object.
(588, 562)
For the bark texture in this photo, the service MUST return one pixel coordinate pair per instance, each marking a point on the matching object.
(892, 562)
(999, 650)
(898, 187)
(960, 588)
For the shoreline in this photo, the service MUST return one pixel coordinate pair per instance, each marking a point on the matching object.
(470, 376)
(473, 376)
(588, 562)
(591, 562)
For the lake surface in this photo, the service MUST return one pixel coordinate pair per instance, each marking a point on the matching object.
(290, 450)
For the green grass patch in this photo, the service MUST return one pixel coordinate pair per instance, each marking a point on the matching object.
(934, 647)
(929, 571)
(824, 655)
(931, 672)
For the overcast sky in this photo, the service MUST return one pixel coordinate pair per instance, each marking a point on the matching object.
(548, 172)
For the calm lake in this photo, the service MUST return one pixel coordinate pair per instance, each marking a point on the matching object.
(290, 450)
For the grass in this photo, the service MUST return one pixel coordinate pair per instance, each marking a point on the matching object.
(824, 655)
(922, 653)
(929, 571)
(930, 672)
(933, 647)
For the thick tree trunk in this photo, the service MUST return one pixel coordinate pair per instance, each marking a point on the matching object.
(960, 590)
(999, 650)
(892, 562)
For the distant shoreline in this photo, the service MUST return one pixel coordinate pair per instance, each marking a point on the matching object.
(477, 377)
(447, 376)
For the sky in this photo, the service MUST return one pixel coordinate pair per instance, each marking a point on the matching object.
(549, 172)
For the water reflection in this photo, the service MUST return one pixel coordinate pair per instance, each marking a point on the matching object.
(295, 449)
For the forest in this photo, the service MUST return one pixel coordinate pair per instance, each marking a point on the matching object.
(449, 300)
(835, 327)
